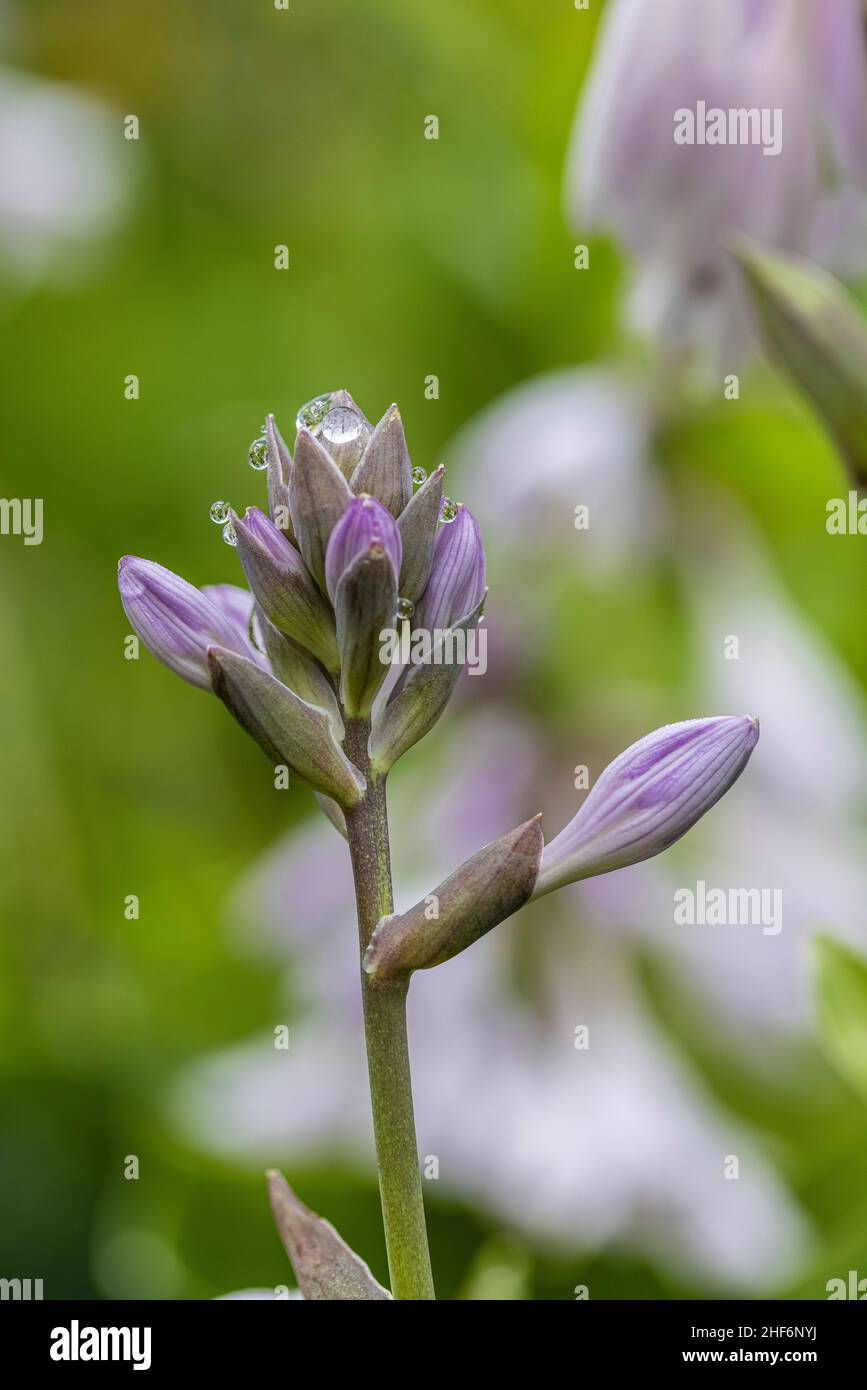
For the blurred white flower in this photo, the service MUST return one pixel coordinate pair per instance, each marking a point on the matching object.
(671, 204)
(67, 177)
(573, 437)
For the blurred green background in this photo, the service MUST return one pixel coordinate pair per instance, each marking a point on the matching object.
(407, 257)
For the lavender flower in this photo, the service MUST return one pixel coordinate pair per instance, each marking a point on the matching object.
(457, 577)
(673, 204)
(365, 523)
(644, 801)
(384, 468)
(325, 582)
(177, 622)
(648, 797)
(283, 588)
(325, 569)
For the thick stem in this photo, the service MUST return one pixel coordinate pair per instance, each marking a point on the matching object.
(385, 1035)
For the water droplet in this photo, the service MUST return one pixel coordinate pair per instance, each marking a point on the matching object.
(253, 633)
(405, 608)
(314, 412)
(419, 475)
(448, 509)
(220, 512)
(229, 534)
(258, 455)
(341, 425)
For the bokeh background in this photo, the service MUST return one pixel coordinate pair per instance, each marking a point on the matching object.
(408, 258)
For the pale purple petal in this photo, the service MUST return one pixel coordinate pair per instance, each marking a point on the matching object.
(365, 522)
(649, 796)
(457, 578)
(270, 537)
(239, 606)
(673, 205)
(176, 622)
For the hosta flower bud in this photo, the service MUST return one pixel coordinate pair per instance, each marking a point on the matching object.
(318, 497)
(457, 578)
(283, 587)
(238, 605)
(365, 603)
(324, 1265)
(176, 621)
(385, 470)
(287, 729)
(344, 431)
(817, 336)
(279, 466)
(485, 890)
(648, 797)
(418, 699)
(298, 670)
(418, 531)
(364, 523)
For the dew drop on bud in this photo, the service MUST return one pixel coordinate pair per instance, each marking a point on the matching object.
(448, 509)
(258, 455)
(220, 512)
(229, 534)
(341, 425)
(405, 608)
(314, 412)
(419, 475)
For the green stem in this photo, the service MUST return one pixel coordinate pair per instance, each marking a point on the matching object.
(385, 1036)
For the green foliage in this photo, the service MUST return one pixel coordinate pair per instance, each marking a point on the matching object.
(841, 1000)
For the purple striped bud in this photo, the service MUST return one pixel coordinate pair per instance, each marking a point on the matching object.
(457, 578)
(177, 622)
(385, 470)
(239, 606)
(279, 467)
(283, 587)
(648, 797)
(269, 537)
(365, 523)
(318, 497)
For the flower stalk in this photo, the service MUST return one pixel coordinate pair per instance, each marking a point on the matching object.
(386, 1041)
(346, 553)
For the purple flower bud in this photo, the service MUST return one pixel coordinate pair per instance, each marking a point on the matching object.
(177, 622)
(287, 728)
(418, 530)
(483, 892)
(649, 796)
(457, 578)
(263, 531)
(318, 497)
(385, 470)
(283, 587)
(238, 605)
(365, 523)
(279, 467)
